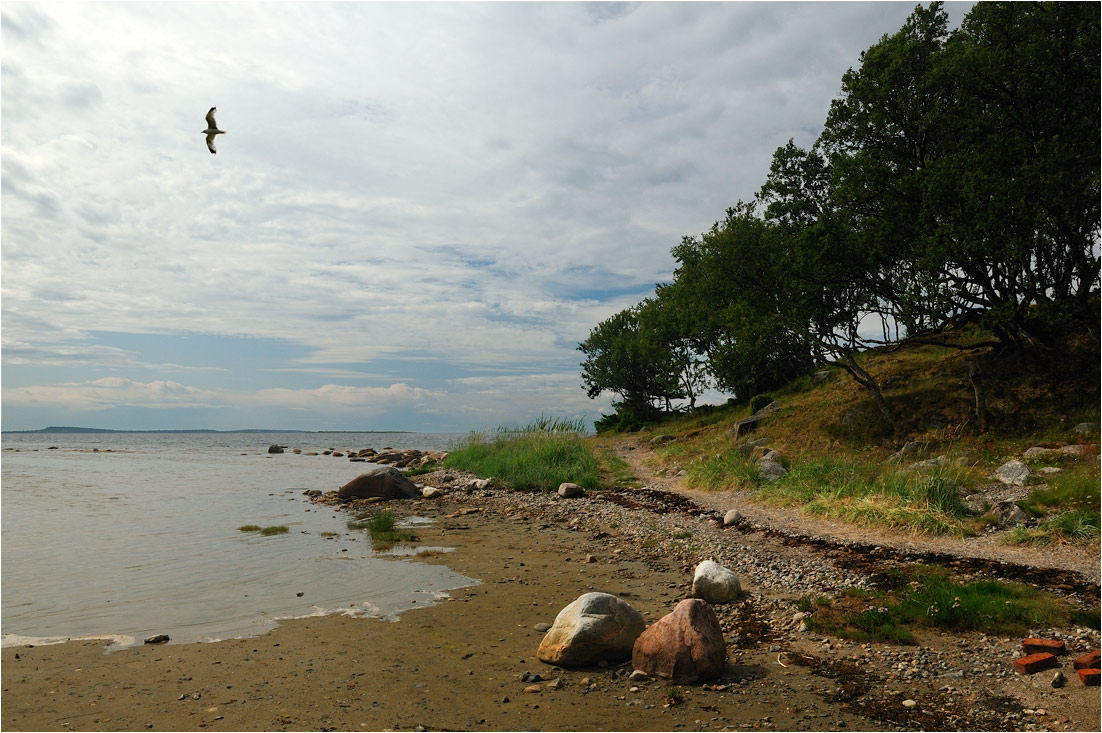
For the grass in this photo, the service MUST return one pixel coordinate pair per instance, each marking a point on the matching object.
(926, 597)
(383, 530)
(1068, 508)
(844, 488)
(540, 456)
(266, 531)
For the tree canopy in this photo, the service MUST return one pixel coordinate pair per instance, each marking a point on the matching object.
(956, 180)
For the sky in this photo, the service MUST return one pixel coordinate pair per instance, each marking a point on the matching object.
(417, 213)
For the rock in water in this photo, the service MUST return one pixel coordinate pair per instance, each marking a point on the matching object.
(596, 627)
(714, 583)
(685, 646)
(275, 448)
(385, 482)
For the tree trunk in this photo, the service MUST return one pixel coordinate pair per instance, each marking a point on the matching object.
(974, 375)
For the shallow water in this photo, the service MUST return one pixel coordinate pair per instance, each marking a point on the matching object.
(134, 534)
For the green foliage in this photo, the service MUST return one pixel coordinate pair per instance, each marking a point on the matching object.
(383, 530)
(276, 529)
(1069, 508)
(927, 597)
(759, 401)
(540, 456)
(249, 528)
(956, 180)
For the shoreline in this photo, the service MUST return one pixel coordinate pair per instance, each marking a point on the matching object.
(466, 661)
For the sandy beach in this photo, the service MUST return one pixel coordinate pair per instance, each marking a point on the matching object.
(468, 662)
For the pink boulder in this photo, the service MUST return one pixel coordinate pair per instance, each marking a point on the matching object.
(684, 646)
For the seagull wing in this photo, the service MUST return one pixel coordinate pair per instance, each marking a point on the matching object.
(210, 119)
(210, 143)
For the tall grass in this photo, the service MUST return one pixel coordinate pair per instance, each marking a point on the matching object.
(845, 489)
(1069, 507)
(541, 455)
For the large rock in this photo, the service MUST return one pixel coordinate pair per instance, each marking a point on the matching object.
(1012, 473)
(594, 628)
(273, 448)
(770, 470)
(384, 482)
(570, 491)
(684, 647)
(714, 583)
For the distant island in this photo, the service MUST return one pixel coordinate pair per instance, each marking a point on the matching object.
(68, 429)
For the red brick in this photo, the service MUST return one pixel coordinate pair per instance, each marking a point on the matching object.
(1090, 660)
(1089, 676)
(1036, 646)
(1035, 662)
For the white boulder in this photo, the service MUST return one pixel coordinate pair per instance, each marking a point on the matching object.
(594, 628)
(715, 584)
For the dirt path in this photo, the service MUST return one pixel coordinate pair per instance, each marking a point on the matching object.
(637, 453)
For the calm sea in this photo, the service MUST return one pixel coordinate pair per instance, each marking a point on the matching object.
(135, 534)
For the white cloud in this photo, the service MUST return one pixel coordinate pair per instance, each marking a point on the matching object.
(474, 183)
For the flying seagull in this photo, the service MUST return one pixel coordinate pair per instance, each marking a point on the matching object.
(212, 130)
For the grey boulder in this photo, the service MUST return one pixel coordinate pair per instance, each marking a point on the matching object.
(384, 482)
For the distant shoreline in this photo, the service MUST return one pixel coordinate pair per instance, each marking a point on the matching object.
(63, 429)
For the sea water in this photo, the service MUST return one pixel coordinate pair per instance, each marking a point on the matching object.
(134, 534)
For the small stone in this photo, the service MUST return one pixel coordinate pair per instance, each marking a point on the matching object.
(909, 703)
(732, 517)
(533, 689)
(1058, 679)
(157, 639)
(542, 626)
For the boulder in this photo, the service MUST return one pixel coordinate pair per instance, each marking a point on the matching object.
(275, 448)
(431, 492)
(1072, 450)
(685, 646)
(1009, 513)
(1039, 451)
(384, 482)
(662, 439)
(570, 491)
(1086, 428)
(744, 426)
(930, 464)
(770, 471)
(714, 583)
(1012, 473)
(594, 628)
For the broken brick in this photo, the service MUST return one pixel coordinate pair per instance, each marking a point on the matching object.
(1090, 660)
(1089, 676)
(1037, 646)
(1035, 662)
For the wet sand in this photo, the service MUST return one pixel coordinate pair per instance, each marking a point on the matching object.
(467, 662)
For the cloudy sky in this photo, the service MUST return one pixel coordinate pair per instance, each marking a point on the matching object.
(417, 213)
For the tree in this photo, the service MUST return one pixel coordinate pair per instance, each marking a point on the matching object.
(623, 357)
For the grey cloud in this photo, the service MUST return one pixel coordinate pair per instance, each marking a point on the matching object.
(78, 95)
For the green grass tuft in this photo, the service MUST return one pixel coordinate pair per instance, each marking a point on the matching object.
(927, 597)
(383, 531)
(276, 529)
(249, 528)
(542, 455)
